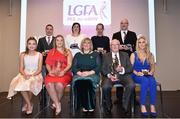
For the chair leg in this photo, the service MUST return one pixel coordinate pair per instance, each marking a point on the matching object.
(161, 99)
(132, 104)
(72, 100)
(100, 99)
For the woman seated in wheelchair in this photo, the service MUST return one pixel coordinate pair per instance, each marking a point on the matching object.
(85, 67)
(143, 69)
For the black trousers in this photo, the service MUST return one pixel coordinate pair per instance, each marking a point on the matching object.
(44, 95)
(119, 93)
(107, 85)
(84, 94)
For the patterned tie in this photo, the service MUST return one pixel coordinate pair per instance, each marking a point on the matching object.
(116, 59)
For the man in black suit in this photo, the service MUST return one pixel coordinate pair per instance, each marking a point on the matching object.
(116, 68)
(127, 40)
(44, 45)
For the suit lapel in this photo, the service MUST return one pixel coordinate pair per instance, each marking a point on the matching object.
(120, 38)
(45, 42)
(121, 59)
(110, 57)
(126, 36)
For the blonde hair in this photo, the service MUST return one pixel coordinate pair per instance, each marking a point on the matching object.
(55, 46)
(149, 55)
(83, 41)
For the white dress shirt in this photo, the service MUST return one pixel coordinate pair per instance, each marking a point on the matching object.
(48, 39)
(118, 56)
(123, 35)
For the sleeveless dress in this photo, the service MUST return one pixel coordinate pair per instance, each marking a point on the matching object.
(57, 61)
(33, 84)
(138, 65)
(147, 82)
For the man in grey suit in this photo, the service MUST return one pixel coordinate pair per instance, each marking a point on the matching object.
(119, 74)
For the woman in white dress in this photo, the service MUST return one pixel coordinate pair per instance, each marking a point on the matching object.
(29, 80)
(74, 39)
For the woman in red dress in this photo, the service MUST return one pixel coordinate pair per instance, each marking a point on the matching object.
(58, 63)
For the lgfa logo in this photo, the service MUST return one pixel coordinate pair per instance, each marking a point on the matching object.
(87, 12)
(79, 10)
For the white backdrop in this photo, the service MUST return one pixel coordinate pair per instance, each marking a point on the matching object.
(35, 14)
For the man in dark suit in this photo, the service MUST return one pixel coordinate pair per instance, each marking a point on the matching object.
(44, 45)
(116, 68)
(127, 40)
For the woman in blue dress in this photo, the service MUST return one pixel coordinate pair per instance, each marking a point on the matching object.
(143, 71)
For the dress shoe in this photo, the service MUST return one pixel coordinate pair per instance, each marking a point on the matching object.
(153, 114)
(118, 101)
(107, 111)
(125, 111)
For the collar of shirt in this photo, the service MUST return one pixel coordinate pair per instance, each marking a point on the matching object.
(122, 31)
(123, 35)
(47, 38)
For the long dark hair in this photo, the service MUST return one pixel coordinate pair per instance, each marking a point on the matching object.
(76, 23)
(29, 39)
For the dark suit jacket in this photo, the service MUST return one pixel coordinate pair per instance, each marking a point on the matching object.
(130, 39)
(125, 62)
(43, 45)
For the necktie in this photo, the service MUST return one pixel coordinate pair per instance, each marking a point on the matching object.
(49, 40)
(124, 35)
(116, 59)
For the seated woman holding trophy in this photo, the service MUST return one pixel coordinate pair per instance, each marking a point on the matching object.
(86, 67)
(116, 69)
(143, 70)
(58, 63)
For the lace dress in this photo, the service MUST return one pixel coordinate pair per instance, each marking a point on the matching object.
(33, 84)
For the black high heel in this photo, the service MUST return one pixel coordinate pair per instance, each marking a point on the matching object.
(144, 114)
(153, 114)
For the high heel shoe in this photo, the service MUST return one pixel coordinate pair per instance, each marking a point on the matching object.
(28, 112)
(53, 106)
(153, 111)
(58, 110)
(24, 108)
(84, 110)
(153, 114)
(144, 114)
(91, 110)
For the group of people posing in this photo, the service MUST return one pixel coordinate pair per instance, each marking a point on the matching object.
(83, 62)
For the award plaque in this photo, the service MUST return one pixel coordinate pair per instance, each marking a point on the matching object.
(114, 65)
